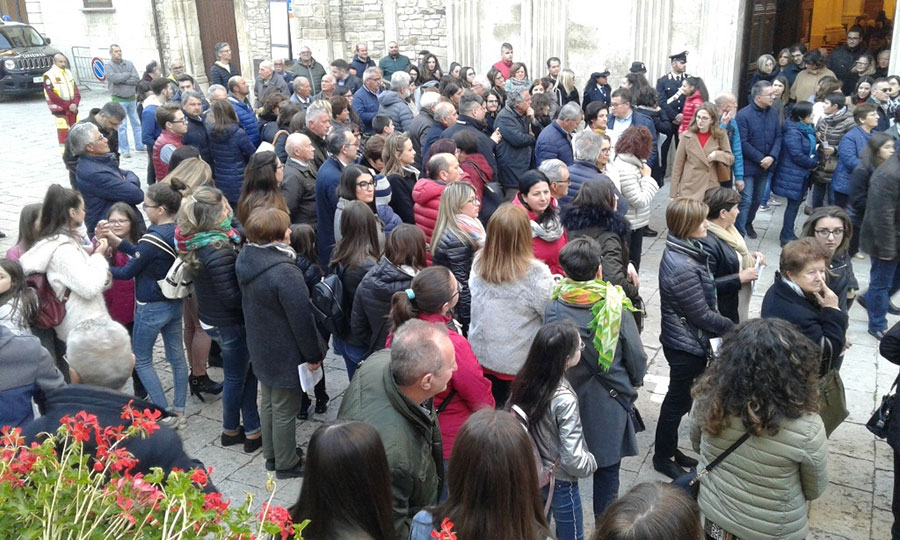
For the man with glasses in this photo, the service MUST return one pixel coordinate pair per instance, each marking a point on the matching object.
(842, 58)
(98, 177)
(797, 51)
(558, 174)
(307, 66)
(881, 99)
(278, 64)
(365, 100)
(343, 146)
(760, 130)
(174, 126)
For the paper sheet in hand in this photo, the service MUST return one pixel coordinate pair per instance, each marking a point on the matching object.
(308, 377)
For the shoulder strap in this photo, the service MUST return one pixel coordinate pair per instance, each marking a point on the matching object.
(446, 401)
(159, 243)
(723, 455)
(278, 134)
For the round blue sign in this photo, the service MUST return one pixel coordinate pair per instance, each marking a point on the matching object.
(97, 69)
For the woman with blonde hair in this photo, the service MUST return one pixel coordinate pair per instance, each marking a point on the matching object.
(703, 148)
(765, 69)
(509, 289)
(459, 235)
(566, 86)
(192, 173)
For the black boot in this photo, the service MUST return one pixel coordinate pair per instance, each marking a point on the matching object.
(202, 383)
(683, 460)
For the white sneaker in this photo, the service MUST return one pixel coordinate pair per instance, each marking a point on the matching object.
(764, 208)
(175, 421)
(774, 202)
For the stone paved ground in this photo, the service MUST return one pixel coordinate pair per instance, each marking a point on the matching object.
(855, 506)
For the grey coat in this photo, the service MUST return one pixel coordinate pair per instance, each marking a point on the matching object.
(608, 429)
(121, 78)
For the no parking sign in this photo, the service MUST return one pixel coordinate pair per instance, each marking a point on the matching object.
(97, 69)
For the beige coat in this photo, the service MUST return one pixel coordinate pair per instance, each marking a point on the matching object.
(759, 492)
(693, 172)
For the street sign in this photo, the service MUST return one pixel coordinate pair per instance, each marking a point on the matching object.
(97, 69)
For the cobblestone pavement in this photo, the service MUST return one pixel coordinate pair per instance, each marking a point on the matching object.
(855, 506)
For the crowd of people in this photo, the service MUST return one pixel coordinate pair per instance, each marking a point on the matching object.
(470, 245)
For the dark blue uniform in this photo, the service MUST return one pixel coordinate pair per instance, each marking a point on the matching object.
(667, 86)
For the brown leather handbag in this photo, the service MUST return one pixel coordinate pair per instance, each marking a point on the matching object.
(723, 172)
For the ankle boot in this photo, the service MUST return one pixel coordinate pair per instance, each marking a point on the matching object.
(203, 384)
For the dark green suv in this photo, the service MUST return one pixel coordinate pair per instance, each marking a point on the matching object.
(24, 57)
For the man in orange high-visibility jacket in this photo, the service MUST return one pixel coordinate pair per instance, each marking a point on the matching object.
(62, 97)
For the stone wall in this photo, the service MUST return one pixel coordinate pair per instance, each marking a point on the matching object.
(254, 36)
(422, 25)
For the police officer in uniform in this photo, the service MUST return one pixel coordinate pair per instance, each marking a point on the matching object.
(597, 89)
(671, 101)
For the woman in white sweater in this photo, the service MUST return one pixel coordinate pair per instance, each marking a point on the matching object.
(510, 289)
(633, 148)
(60, 253)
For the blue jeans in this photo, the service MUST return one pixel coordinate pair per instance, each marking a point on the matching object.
(240, 388)
(884, 281)
(822, 195)
(150, 320)
(132, 117)
(353, 355)
(790, 217)
(606, 488)
(566, 510)
(751, 198)
(768, 191)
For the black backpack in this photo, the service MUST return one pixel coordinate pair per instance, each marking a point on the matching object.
(327, 303)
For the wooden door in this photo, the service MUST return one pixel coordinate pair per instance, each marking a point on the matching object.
(15, 9)
(216, 21)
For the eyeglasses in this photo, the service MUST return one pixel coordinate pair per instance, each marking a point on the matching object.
(825, 233)
(604, 150)
(145, 205)
(582, 345)
(473, 200)
(366, 184)
(279, 166)
(182, 121)
(118, 221)
(98, 139)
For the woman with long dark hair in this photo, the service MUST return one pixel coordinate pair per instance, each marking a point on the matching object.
(491, 474)
(696, 94)
(879, 148)
(690, 318)
(262, 177)
(549, 236)
(429, 69)
(542, 392)
(346, 490)
(764, 384)
(230, 147)
(354, 255)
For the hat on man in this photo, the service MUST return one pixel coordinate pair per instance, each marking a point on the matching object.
(681, 57)
(638, 67)
(604, 73)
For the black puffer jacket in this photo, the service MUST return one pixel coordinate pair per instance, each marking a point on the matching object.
(687, 295)
(216, 286)
(372, 303)
(457, 255)
(611, 231)
(350, 280)
(725, 267)
(841, 278)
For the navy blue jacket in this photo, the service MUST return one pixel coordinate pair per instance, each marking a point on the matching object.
(798, 158)
(852, 145)
(365, 103)
(162, 449)
(150, 130)
(486, 145)
(216, 287)
(760, 131)
(687, 296)
(581, 172)
(230, 151)
(198, 137)
(596, 94)
(433, 134)
(641, 119)
(148, 264)
(667, 86)
(514, 153)
(247, 118)
(281, 329)
(28, 373)
(361, 66)
(327, 180)
(102, 183)
(553, 143)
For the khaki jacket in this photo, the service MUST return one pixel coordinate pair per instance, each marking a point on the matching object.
(693, 172)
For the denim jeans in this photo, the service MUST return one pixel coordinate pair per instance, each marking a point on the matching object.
(606, 488)
(790, 218)
(566, 510)
(884, 281)
(684, 368)
(768, 191)
(132, 117)
(821, 194)
(353, 355)
(751, 198)
(240, 389)
(150, 320)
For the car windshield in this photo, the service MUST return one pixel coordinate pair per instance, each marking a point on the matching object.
(19, 36)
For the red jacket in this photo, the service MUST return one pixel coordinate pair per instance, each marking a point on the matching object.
(473, 390)
(165, 138)
(474, 164)
(545, 251)
(120, 297)
(691, 104)
(503, 68)
(427, 198)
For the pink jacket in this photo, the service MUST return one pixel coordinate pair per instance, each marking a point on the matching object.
(473, 390)
(120, 297)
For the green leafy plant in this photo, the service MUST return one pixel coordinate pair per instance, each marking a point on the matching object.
(57, 489)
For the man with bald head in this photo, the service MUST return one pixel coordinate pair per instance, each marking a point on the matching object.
(62, 97)
(302, 90)
(361, 61)
(268, 83)
(328, 82)
(299, 183)
(393, 62)
(445, 115)
(442, 169)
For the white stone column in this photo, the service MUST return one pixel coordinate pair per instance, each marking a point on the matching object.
(653, 36)
(895, 43)
(463, 31)
(721, 40)
(389, 14)
(543, 34)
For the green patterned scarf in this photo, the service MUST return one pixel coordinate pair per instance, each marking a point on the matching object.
(606, 301)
